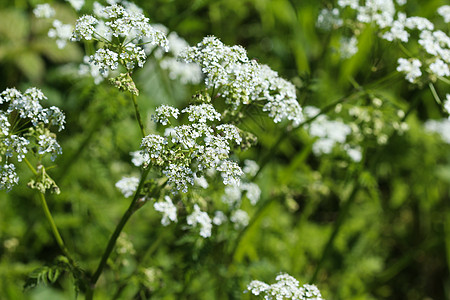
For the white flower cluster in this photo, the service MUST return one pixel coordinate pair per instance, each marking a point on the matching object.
(201, 218)
(329, 134)
(447, 104)
(193, 147)
(441, 127)
(233, 194)
(8, 176)
(61, 32)
(44, 11)
(410, 67)
(76, 4)
(329, 19)
(397, 26)
(241, 81)
(127, 185)
(444, 11)
(349, 47)
(286, 287)
(18, 138)
(186, 73)
(92, 70)
(168, 209)
(164, 112)
(116, 21)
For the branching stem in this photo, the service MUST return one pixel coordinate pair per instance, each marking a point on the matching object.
(112, 241)
(138, 115)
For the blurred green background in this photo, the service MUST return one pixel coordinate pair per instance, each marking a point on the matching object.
(394, 239)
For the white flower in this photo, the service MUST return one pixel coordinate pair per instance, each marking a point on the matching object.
(351, 3)
(419, 23)
(164, 112)
(410, 67)
(329, 132)
(201, 218)
(349, 47)
(201, 113)
(168, 210)
(447, 103)
(232, 195)
(8, 176)
(329, 19)
(16, 145)
(154, 146)
(44, 11)
(127, 185)
(104, 60)
(397, 32)
(219, 218)
(441, 127)
(133, 55)
(250, 168)
(76, 4)
(98, 10)
(84, 28)
(440, 68)
(241, 81)
(240, 218)
(138, 158)
(201, 181)
(187, 73)
(253, 191)
(61, 32)
(354, 153)
(286, 287)
(180, 176)
(4, 123)
(231, 172)
(436, 43)
(444, 11)
(88, 69)
(49, 144)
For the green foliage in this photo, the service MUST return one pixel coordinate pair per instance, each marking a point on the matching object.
(393, 237)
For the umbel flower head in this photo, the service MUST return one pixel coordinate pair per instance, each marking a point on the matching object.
(201, 144)
(25, 128)
(242, 81)
(286, 287)
(123, 32)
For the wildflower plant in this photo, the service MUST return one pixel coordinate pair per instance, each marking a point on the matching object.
(214, 204)
(26, 130)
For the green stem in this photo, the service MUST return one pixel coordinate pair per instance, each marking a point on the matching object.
(138, 115)
(54, 228)
(49, 218)
(435, 95)
(113, 239)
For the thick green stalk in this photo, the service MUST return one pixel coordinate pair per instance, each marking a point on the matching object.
(138, 115)
(113, 239)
